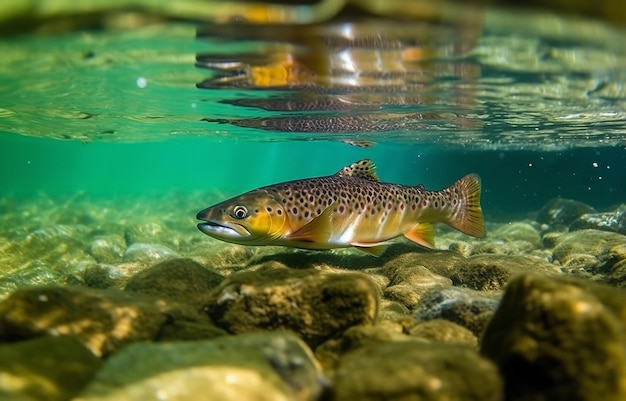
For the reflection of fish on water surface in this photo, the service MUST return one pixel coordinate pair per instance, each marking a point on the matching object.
(351, 208)
(346, 123)
(328, 123)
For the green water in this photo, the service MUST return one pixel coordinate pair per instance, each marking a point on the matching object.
(537, 109)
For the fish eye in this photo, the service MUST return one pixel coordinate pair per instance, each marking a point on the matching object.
(239, 212)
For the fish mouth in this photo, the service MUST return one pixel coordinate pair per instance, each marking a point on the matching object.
(223, 229)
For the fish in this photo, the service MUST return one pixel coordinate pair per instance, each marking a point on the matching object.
(351, 208)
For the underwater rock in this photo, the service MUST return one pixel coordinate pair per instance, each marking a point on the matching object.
(376, 274)
(443, 263)
(409, 283)
(111, 275)
(409, 370)
(221, 256)
(360, 336)
(148, 232)
(559, 339)
(31, 274)
(260, 366)
(491, 272)
(103, 321)
(559, 213)
(617, 276)
(148, 253)
(518, 231)
(49, 368)
(390, 310)
(588, 249)
(468, 308)
(462, 248)
(175, 278)
(315, 304)
(107, 248)
(611, 221)
(329, 353)
(443, 331)
(501, 247)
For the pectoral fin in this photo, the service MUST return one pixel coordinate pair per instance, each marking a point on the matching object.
(317, 230)
(422, 234)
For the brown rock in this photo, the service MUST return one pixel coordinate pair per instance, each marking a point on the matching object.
(248, 367)
(465, 307)
(559, 339)
(315, 304)
(595, 243)
(442, 263)
(176, 279)
(51, 369)
(409, 370)
(444, 331)
(491, 272)
(103, 320)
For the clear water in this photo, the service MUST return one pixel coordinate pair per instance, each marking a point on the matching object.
(534, 103)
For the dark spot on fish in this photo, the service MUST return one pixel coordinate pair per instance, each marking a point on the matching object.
(341, 209)
(306, 214)
(279, 212)
(295, 210)
(269, 209)
(436, 204)
(256, 210)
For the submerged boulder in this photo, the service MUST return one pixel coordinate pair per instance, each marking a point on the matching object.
(49, 368)
(176, 279)
(489, 272)
(591, 250)
(254, 367)
(463, 306)
(103, 320)
(315, 304)
(610, 221)
(413, 371)
(558, 339)
(559, 213)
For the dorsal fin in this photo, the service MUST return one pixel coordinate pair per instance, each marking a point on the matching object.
(362, 169)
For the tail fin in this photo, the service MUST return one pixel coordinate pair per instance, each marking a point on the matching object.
(469, 218)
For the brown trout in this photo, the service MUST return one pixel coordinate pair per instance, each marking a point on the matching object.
(351, 208)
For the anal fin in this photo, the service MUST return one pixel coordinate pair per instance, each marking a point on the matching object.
(422, 234)
(376, 250)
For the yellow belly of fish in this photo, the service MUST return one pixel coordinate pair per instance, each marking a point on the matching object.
(363, 228)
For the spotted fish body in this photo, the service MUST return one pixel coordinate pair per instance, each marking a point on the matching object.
(349, 208)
